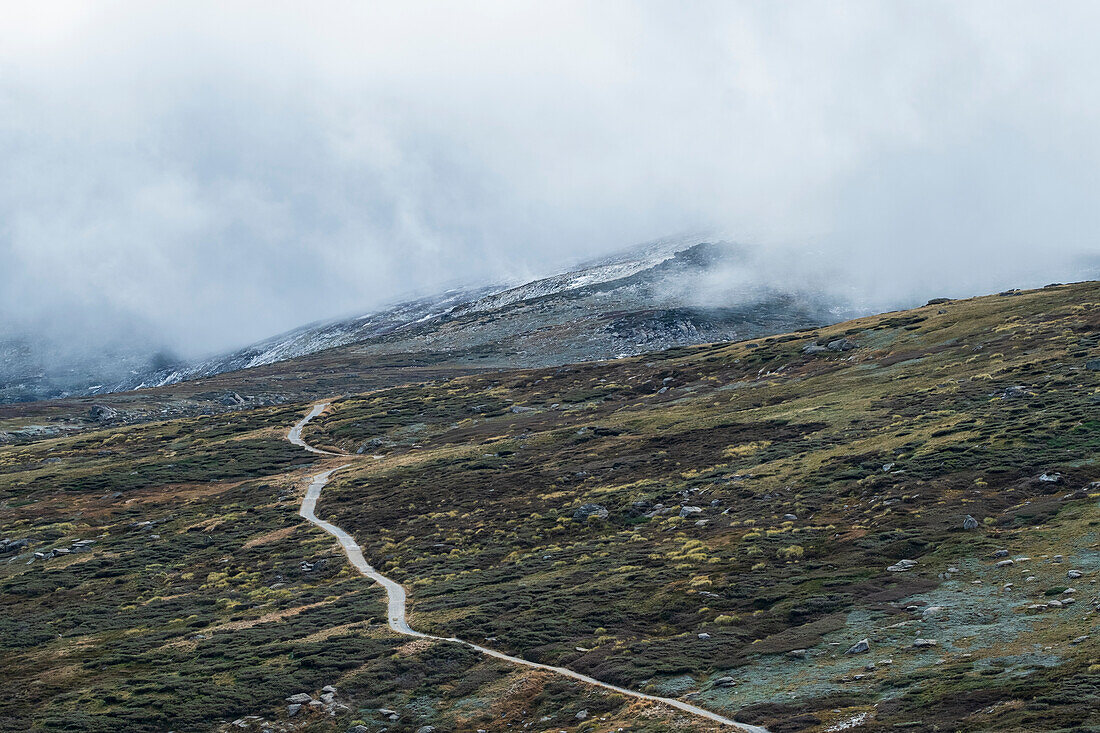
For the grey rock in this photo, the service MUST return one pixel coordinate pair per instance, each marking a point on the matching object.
(1004, 563)
(300, 698)
(860, 647)
(1053, 477)
(1000, 553)
(102, 413)
(902, 566)
(581, 714)
(704, 635)
(327, 697)
(231, 398)
(790, 517)
(329, 688)
(970, 522)
(517, 409)
(687, 511)
(358, 729)
(725, 682)
(1074, 574)
(13, 545)
(813, 349)
(1093, 365)
(842, 345)
(426, 729)
(293, 709)
(1015, 391)
(924, 643)
(585, 511)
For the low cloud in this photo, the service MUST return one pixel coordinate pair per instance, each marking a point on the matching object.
(224, 173)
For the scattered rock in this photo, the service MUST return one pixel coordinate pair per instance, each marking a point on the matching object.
(704, 635)
(358, 729)
(970, 522)
(426, 729)
(725, 682)
(902, 566)
(517, 409)
(1005, 563)
(687, 511)
(581, 714)
(1074, 574)
(1014, 392)
(924, 643)
(300, 698)
(813, 349)
(860, 647)
(1000, 553)
(1093, 365)
(790, 517)
(329, 688)
(586, 511)
(293, 709)
(1053, 477)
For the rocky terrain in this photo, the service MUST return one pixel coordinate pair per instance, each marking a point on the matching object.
(891, 523)
(648, 298)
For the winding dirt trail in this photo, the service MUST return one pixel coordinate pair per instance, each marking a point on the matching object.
(396, 593)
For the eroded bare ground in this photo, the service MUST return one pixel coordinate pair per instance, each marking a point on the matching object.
(553, 512)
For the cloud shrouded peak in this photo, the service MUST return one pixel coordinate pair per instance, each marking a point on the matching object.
(229, 172)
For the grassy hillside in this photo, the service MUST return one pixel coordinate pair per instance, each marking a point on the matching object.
(714, 522)
(812, 474)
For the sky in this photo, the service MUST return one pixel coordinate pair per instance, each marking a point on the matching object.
(214, 173)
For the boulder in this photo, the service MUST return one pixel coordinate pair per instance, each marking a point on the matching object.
(725, 682)
(426, 729)
(970, 522)
(102, 413)
(1015, 391)
(585, 511)
(841, 345)
(813, 349)
(1093, 365)
(300, 698)
(924, 643)
(687, 511)
(1051, 477)
(1074, 574)
(293, 709)
(902, 566)
(581, 714)
(231, 398)
(860, 647)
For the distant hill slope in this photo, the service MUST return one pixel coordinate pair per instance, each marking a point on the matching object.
(668, 293)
